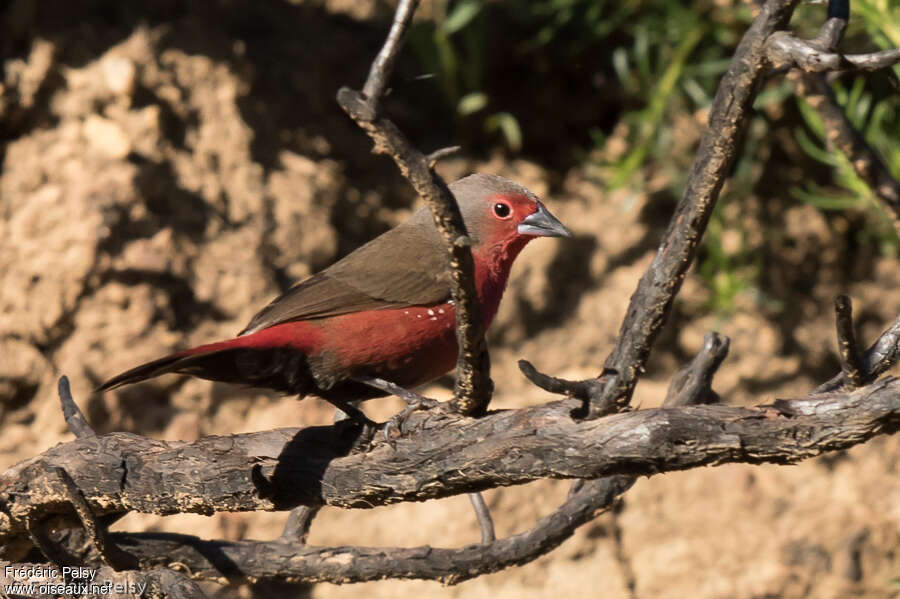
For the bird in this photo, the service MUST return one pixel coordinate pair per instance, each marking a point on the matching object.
(383, 312)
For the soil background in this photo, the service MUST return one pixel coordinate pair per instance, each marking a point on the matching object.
(168, 168)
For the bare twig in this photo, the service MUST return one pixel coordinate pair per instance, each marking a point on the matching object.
(577, 389)
(851, 362)
(383, 65)
(584, 390)
(692, 385)
(473, 383)
(831, 33)
(877, 360)
(440, 154)
(786, 50)
(75, 419)
(483, 513)
(819, 55)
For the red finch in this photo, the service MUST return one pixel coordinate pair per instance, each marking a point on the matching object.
(382, 311)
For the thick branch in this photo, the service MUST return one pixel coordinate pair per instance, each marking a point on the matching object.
(447, 455)
(729, 113)
(473, 383)
(243, 561)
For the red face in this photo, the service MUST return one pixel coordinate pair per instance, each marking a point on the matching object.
(521, 217)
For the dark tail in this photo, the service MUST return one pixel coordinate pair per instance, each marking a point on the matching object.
(175, 363)
(280, 368)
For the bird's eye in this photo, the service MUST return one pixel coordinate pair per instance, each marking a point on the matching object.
(502, 210)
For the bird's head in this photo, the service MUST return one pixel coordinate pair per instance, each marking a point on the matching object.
(501, 215)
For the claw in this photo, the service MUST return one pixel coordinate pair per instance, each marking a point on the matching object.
(412, 405)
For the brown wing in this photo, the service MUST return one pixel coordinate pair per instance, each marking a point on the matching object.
(407, 266)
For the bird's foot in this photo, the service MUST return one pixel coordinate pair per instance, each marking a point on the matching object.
(412, 405)
(415, 402)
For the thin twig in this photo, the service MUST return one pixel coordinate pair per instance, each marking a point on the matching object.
(388, 387)
(840, 134)
(73, 416)
(473, 387)
(440, 154)
(692, 385)
(786, 50)
(584, 390)
(383, 65)
(851, 362)
(831, 34)
(483, 514)
(877, 360)
(299, 521)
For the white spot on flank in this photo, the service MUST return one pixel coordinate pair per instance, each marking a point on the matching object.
(406, 311)
(418, 316)
(433, 318)
(430, 312)
(440, 310)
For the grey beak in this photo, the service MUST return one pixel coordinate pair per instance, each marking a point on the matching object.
(543, 224)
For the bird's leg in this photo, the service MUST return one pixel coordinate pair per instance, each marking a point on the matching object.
(350, 411)
(414, 402)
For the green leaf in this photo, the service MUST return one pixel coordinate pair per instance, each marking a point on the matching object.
(461, 15)
(471, 103)
(509, 127)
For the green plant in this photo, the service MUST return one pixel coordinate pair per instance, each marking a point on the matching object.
(452, 48)
(873, 107)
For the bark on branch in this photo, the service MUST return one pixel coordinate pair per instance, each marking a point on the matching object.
(447, 455)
